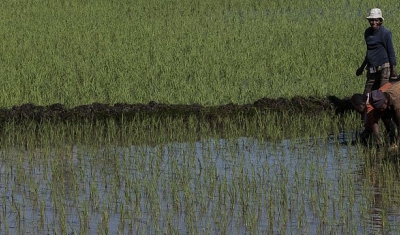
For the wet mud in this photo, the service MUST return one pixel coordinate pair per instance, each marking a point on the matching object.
(125, 111)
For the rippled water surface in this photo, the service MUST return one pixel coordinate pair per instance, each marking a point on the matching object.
(213, 186)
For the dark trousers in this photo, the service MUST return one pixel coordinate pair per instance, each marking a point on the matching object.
(376, 80)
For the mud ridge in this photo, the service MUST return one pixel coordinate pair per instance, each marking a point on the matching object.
(118, 111)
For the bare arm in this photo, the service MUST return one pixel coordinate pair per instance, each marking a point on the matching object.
(377, 136)
(397, 121)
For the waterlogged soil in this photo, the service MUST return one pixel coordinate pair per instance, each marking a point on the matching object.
(125, 111)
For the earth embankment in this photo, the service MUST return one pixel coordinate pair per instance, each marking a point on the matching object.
(118, 111)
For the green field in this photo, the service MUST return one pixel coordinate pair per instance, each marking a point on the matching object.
(258, 172)
(182, 52)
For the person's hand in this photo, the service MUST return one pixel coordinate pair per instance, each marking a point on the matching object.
(393, 73)
(359, 71)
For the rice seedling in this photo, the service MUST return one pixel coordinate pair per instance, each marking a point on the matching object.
(270, 172)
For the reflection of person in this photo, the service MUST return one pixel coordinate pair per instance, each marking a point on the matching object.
(388, 102)
(371, 117)
(374, 176)
(377, 205)
(380, 58)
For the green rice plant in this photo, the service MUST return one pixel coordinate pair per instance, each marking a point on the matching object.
(204, 52)
(266, 173)
(103, 224)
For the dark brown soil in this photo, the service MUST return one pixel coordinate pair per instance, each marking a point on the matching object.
(98, 111)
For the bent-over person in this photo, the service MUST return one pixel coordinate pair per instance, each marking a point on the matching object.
(371, 117)
(388, 102)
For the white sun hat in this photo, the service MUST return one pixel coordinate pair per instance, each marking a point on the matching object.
(375, 13)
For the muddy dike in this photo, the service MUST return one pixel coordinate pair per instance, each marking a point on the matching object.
(126, 112)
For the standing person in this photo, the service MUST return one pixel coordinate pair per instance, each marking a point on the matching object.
(380, 58)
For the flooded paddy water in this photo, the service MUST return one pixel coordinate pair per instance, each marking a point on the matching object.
(254, 172)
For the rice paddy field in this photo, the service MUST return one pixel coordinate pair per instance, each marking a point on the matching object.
(262, 175)
(271, 172)
(182, 52)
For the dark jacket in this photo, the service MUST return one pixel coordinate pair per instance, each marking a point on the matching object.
(380, 48)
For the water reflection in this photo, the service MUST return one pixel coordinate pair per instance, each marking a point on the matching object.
(380, 172)
(243, 185)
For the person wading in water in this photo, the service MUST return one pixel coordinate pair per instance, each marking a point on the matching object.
(371, 117)
(388, 103)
